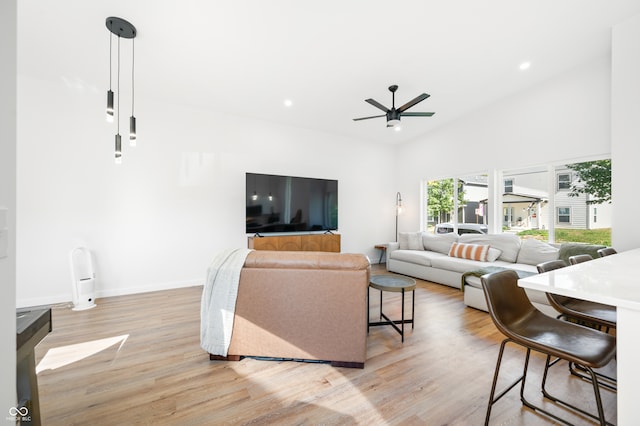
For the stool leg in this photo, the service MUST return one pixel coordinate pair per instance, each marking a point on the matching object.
(596, 390)
(413, 308)
(402, 322)
(493, 400)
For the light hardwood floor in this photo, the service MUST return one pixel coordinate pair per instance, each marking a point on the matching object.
(137, 360)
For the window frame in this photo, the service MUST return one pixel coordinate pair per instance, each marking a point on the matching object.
(510, 191)
(558, 182)
(558, 215)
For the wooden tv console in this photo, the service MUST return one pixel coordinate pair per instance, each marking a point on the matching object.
(306, 242)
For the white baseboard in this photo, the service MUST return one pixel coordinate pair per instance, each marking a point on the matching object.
(67, 298)
(146, 289)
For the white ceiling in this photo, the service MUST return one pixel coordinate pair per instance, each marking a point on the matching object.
(246, 57)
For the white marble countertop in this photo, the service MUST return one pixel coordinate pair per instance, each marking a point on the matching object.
(612, 280)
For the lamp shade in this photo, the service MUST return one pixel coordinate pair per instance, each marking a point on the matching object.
(132, 131)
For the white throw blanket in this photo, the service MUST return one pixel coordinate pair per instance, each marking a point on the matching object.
(219, 300)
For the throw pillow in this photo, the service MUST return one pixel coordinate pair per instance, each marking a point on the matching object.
(493, 254)
(533, 252)
(410, 241)
(469, 251)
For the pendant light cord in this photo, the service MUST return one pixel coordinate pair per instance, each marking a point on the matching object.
(118, 84)
(133, 59)
(110, 55)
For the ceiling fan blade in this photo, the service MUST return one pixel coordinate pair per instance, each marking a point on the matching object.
(366, 118)
(417, 114)
(413, 102)
(377, 104)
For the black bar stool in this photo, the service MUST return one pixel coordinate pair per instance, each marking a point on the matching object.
(521, 323)
(591, 314)
(579, 258)
(582, 311)
(607, 251)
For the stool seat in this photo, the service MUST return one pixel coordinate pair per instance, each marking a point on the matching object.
(562, 339)
(593, 312)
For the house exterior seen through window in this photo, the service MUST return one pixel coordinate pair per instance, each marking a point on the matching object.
(564, 181)
(561, 202)
(564, 215)
(508, 185)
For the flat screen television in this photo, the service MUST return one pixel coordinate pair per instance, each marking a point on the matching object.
(290, 204)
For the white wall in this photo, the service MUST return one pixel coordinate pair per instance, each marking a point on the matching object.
(8, 39)
(157, 220)
(562, 118)
(625, 133)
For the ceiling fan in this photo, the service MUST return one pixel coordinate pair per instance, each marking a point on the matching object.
(393, 115)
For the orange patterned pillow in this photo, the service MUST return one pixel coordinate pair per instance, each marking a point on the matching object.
(470, 251)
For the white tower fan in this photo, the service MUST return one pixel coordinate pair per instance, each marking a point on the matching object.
(84, 279)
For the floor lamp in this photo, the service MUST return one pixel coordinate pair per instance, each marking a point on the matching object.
(398, 211)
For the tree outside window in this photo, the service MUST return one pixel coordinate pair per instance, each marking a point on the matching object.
(576, 206)
(593, 178)
(440, 199)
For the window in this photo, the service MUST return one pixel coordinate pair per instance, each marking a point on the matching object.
(558, 202)
(508, 185)
(507, 213)
(564, 215)
(564, 181)
(471, 206)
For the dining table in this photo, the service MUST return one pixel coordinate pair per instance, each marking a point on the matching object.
(612, 280)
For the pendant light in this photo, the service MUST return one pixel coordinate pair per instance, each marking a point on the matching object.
(118, 137)
(110, 92)
(132, 119)
(123, 29)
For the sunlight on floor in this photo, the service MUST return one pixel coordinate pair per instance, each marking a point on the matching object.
(65, 355)
(341, 383)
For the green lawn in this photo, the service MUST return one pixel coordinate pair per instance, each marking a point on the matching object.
(590, 236)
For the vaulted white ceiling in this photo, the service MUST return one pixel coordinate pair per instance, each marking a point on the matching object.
(246, 57)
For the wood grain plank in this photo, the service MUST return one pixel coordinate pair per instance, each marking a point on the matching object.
(440, 375)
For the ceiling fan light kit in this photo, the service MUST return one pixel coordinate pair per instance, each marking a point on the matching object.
(394, 114)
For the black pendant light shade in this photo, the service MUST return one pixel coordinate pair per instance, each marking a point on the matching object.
(118, 149)
(132, 119)
(110, 106)
(132, 131)
(122, 29)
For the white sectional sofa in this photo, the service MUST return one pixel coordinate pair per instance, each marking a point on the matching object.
(430, 257)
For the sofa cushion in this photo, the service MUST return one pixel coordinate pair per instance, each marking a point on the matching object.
(410, 241)
(469, 251)
(419, 257)
(508, 243)
(269, 259)
(533, 252)
(440, 243)
(456, 264)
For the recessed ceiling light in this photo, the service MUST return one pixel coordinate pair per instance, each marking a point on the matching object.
(288, 102)
(525, 65)
(397, 128)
